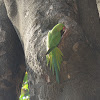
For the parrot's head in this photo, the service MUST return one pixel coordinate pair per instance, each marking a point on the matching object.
(61, 28)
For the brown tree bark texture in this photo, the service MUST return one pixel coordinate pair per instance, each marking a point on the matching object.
(12, 64)
(89, 20)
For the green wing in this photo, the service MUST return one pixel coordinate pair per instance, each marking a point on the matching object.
(50, 50)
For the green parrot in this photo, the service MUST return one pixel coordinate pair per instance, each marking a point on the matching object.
(54, 54)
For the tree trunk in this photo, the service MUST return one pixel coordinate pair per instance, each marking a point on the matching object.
(80, 71)
(98, 5)
(89, 20)
(12, 65)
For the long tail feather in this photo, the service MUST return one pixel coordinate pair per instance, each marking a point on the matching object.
(55, 66)
(55, 60)
(48, 59)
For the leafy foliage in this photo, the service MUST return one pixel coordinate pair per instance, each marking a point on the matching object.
(24, 90)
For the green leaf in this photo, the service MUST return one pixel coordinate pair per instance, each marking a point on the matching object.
(25, 78)
(25, 91)
(25, 86)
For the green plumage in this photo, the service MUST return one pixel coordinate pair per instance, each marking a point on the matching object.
(54, 57)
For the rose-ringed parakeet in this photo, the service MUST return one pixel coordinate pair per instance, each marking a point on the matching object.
(54, 54)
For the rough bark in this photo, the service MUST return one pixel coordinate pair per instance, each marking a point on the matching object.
(80, 71)
(98, 5)
(12, 65)
(89, 20)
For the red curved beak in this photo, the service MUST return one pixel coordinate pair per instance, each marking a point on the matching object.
(64, 28)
